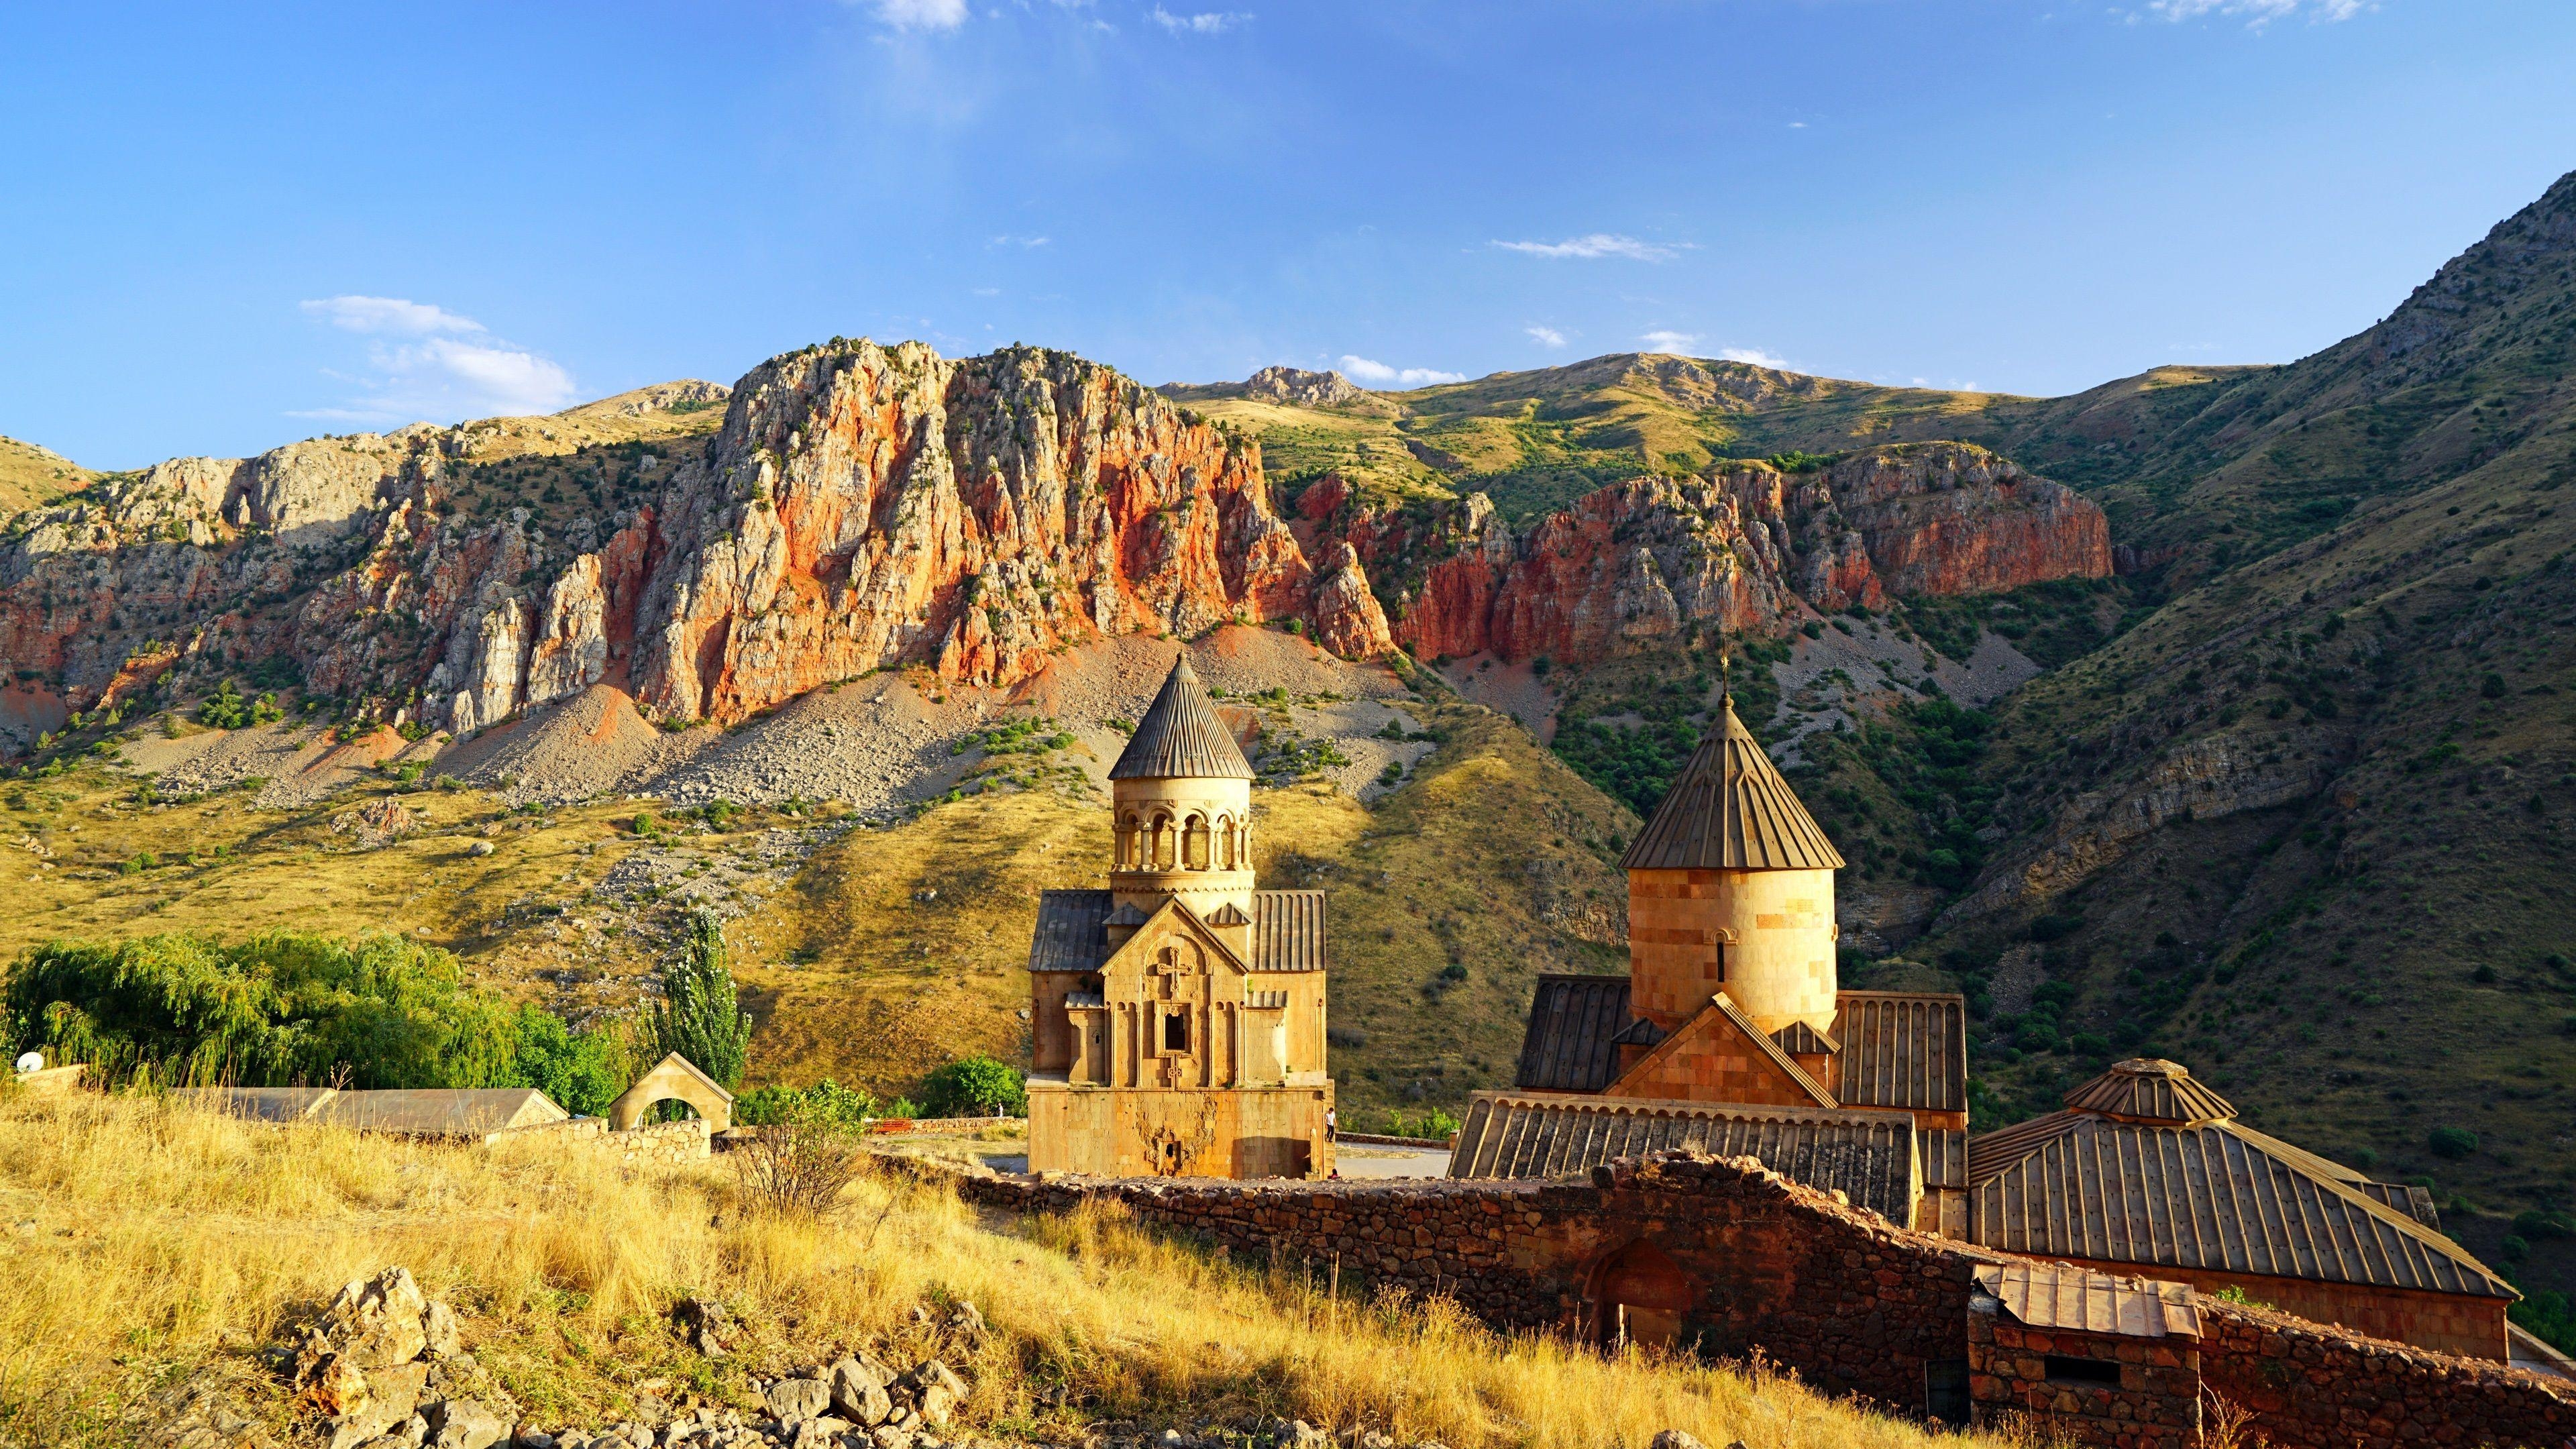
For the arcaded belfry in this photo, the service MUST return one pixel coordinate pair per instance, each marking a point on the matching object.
(1731, 888)
(1177, 1018)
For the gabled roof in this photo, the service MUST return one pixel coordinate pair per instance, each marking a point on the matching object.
(1715, 1022)
(1071, 935)
(2063, 1296)
(2145, 1089)
(440, 1111)
(1869, 1157)
(1801, 1040)
(1181, 737)
(1571, 1043)
(1730, 810)
(1902, 1049)
(2209, 1195)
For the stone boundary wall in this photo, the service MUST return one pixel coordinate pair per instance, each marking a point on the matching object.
(2155, 1404)
(1852, 1304)
(2314, 1387)
(655, 1144)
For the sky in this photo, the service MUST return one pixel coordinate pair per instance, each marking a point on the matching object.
(224, 228)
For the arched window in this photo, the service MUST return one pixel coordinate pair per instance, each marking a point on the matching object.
(1225, 843)
(1130, 843)
(1161, 857)
(1194, 843)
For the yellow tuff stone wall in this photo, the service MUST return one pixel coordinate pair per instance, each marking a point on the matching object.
(1142, 1132)
(1777, 927)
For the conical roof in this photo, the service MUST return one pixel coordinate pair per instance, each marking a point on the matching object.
(2145, 1089)
(1181, 738)
(1730, 810)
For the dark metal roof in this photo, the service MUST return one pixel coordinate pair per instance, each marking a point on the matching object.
(2145, 1089)
(2207, 1196)
(1287, 931)
(1181, 737)
(2415, 1202)
(1869, 1157)
(1730, 810)
(1070, 934)
(1903, 1049)
(1571, 1043)
(2063, 1296)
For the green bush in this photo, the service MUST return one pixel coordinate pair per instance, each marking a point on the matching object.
(277, 1009)
(701, 1015)
(2544, 1223)
(2453, 1142)
(826, 1101)
(973, 1087)
(582, 1071)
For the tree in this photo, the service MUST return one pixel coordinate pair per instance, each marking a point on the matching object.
(701, 1014)
(973, 1087)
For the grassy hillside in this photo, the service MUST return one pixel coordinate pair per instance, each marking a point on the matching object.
(156, 1254)
(30, 475)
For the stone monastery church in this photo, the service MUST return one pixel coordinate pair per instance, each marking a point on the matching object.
(1179, 1030)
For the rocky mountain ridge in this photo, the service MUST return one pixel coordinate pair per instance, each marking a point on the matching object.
(863, 507)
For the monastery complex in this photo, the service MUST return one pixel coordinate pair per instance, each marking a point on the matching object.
(1179, 1031)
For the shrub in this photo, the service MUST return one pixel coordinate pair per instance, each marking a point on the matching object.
(2452, 1142)
(772, 1105)
(701, 1015)
(800, 1165)
(973, 1087)
(2544, 1223)
(582, 1071)
(2513, 1249)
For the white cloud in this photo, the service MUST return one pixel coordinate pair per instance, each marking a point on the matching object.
(1361, 369)
(1546, 336)
(450, 367)
(2257, 13)
(1754, 355)
(921, 14)
(1021, 241)
(1667, 340)
(1598, 244)
(388, 315)
(1797, 125)
(1212, 22)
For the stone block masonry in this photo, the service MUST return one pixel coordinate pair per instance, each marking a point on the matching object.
(1731, 1257)
(2092, 1388)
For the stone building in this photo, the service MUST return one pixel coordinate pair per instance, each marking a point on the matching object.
(1178, 1016)
(1731, 1035)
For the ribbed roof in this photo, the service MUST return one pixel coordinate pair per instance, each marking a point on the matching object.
(1287, 930)
(1902, 1049)
(2207, 1196)
(2063, 1296)
(2144, 1089)
(1730, 810)
(1801, 1040)
(1869, 1157)
(1181, 738)
(1571, 1044)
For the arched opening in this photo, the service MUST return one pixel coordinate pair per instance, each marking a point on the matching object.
(1162, 846)
(1130, 842)
(1194, 843)
(1639, 1295)
(1225, 843)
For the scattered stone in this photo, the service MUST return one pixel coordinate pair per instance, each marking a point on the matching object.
(377, 1322)
(704, 1324)
(859, 1392)
(1676, 1439)
(464, 1424)
(792, 1401)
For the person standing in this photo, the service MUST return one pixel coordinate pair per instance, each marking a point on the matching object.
(1332, 1124)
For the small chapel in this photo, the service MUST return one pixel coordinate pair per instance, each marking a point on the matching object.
(1177, 1018)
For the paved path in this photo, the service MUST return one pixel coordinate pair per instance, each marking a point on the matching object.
(1378, 1159)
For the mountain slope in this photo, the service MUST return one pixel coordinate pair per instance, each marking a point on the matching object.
(30, 475)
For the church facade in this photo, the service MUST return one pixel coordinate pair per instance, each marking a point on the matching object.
(1730, 1034)
(1177, 1018)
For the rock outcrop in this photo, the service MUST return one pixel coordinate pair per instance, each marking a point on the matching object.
(1743, 547)
(864, 507)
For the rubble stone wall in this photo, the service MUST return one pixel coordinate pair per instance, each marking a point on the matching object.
(2154, 1403)
(2309, 1386)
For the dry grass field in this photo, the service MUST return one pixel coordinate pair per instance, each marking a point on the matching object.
(152, 1248)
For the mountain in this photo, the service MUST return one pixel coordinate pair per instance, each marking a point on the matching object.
(30, 475)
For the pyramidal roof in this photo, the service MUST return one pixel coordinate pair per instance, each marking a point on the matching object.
(1730, 810)
(1181, 738)
(2145, 1089)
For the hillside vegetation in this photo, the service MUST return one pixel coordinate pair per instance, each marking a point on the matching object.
(30, 475)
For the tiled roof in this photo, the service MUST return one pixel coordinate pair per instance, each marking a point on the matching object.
(1869, 1157)
(1181, 737)
(1287, 931)
(1069, 936)
(2209, 1196)
(2063, 1296)
(1571, 1043)
(1903, 1049)
(2144, 1089)
(1730, 810)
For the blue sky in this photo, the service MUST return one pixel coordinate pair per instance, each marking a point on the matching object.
(227, 227)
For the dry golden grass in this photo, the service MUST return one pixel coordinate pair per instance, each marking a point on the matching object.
(152, 1245)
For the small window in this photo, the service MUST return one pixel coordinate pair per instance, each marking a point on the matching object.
(1176, 1032)
(1945, 1390)
(2065, 1370)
